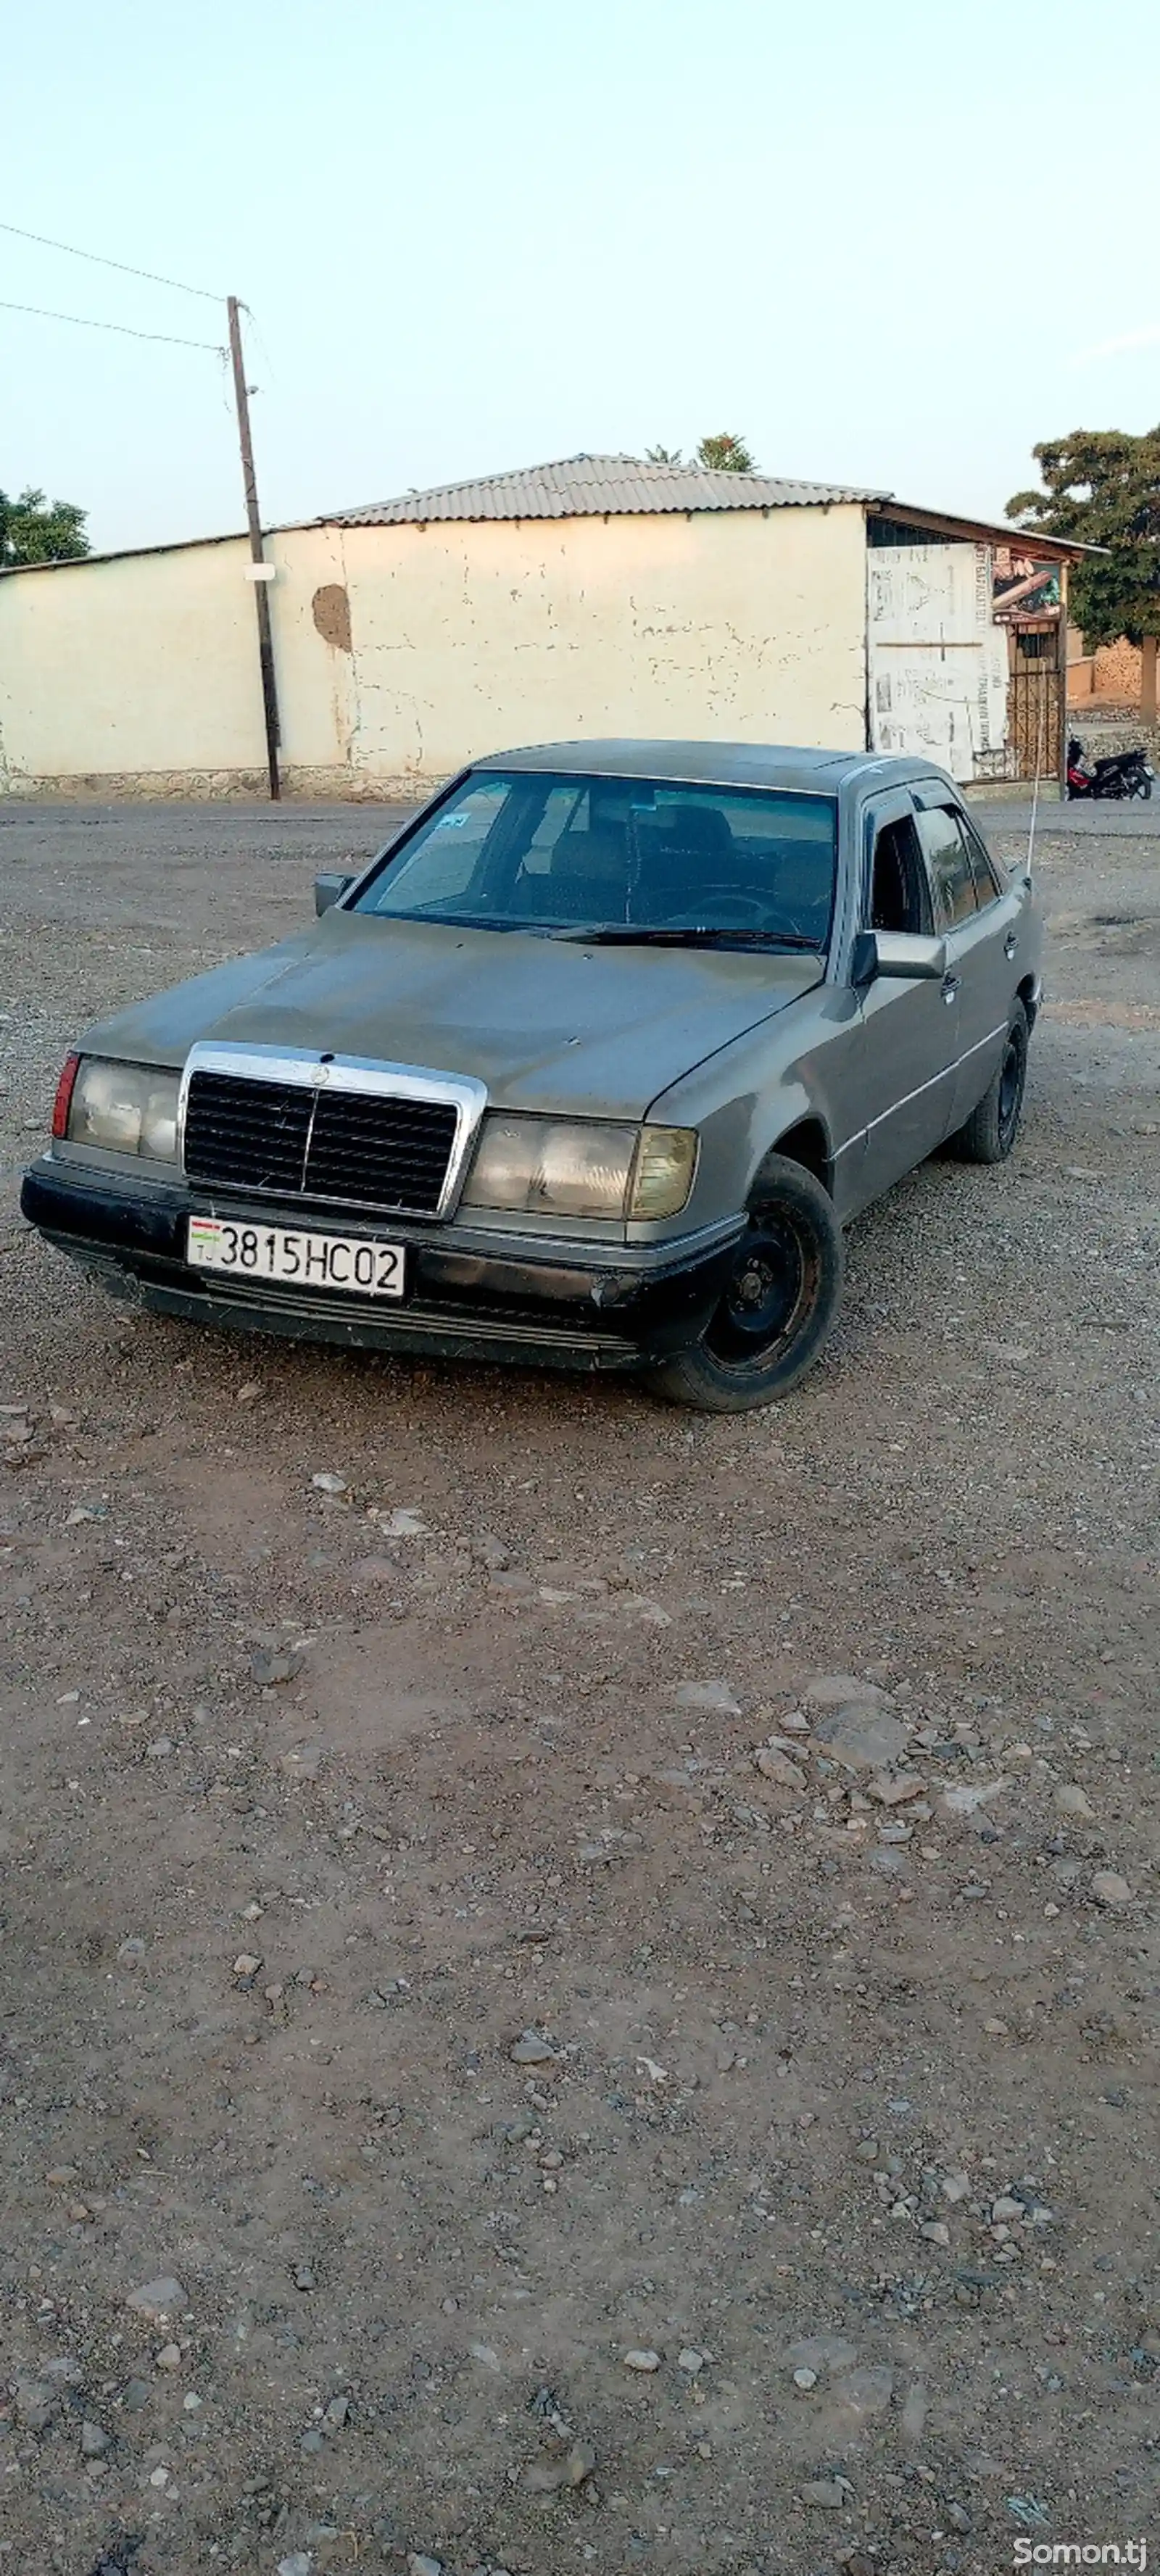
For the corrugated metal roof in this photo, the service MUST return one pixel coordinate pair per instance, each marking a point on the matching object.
(591, 486)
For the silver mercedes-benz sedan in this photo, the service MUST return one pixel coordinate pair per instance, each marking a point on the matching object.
(590, 1067)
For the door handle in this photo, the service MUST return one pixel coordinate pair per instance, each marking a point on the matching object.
(1011, 943)
(950, 986)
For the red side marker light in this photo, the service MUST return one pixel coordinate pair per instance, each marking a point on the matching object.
(64, 1092)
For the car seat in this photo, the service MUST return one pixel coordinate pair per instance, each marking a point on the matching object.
(585, 880)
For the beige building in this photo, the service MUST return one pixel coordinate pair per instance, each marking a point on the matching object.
(598, 596)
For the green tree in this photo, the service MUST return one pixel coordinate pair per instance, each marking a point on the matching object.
(1102, 486)
(33, 530)
(726, 454)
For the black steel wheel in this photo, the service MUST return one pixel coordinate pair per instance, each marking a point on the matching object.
(778, 1303)
(988, 1135)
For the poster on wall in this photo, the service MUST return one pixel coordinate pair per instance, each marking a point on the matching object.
(937, 662)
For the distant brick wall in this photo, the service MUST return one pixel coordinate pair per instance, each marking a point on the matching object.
(1117, 672)
(1108, 677)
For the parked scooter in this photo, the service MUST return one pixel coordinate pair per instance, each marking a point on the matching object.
(1119, 774)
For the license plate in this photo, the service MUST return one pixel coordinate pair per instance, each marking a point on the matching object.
(344, 1261)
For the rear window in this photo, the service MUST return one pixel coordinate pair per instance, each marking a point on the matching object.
(530, 850)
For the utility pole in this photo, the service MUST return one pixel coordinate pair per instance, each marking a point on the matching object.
(262, 579)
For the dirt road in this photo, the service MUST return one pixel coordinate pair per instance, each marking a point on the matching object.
(546, 2140)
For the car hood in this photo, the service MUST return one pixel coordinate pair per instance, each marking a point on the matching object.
(546, 1024)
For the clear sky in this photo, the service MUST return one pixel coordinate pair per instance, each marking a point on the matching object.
(892, 244)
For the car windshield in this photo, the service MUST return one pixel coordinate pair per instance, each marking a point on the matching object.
(533, 851)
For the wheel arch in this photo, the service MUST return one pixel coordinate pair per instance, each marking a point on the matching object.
(805, 1141)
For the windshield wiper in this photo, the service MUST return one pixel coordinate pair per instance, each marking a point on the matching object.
(617, 934)
(640, 935)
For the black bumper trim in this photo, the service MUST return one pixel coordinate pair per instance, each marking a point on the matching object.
(460, 1304)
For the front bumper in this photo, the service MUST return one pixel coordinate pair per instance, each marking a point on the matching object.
(630, 1307)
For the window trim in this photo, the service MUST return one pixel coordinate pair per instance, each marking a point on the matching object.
(891, 805)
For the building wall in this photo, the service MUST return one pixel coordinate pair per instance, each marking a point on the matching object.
(403, 651)
(144, 666)
(728, 625)
(313, 624)
(938, 662)
(1081, 668)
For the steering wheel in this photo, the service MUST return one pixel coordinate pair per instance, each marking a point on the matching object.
(717, 898)
(725, 899)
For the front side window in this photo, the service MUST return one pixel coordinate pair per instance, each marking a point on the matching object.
(536, 851)
(897, 884)
(949, 867)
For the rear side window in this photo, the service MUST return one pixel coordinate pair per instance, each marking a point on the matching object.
(987, 885)
(948, 859)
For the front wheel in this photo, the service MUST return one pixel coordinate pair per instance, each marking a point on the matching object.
(778, 1304)
(990, 1132)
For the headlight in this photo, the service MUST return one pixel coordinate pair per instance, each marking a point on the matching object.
(581, 1167)
(127, 1108)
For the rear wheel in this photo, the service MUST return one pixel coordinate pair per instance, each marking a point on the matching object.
(990, 1132)
(777, 1306)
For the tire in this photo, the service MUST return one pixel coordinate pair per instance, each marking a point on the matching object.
(988, 1135)
(777, 1309)
(1142, 787)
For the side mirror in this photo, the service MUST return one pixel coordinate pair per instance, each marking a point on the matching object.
(329, 889)
(904, 955)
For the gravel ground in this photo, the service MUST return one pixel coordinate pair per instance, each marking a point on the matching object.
(459, 2108)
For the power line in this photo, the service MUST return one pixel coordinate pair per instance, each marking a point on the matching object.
(46, 243)
(86, 323)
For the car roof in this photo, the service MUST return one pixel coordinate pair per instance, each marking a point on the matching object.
(712, 764)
